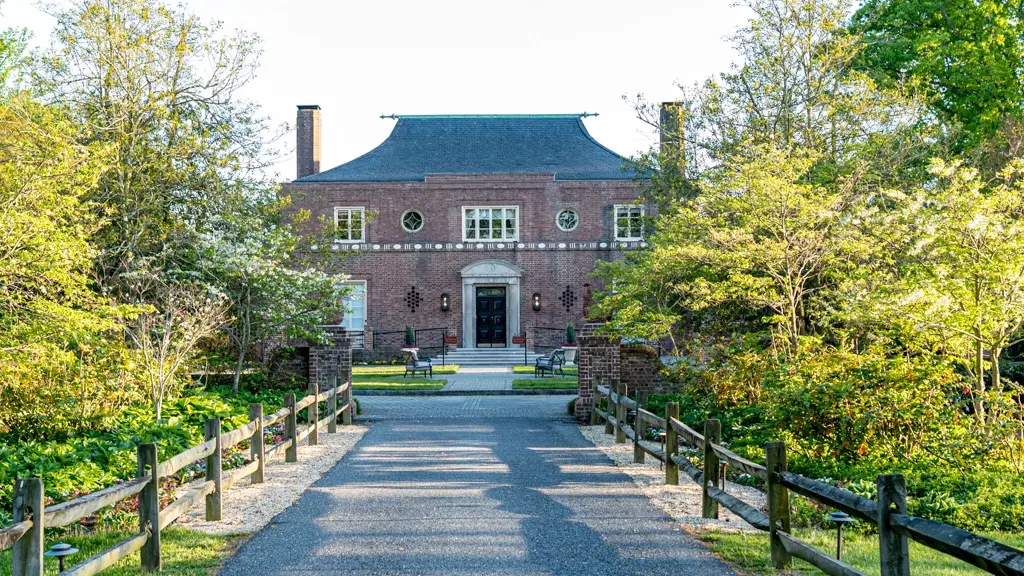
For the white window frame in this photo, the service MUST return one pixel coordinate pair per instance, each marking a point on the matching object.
(362, 230)
(490, 240)
(346, 319)
(615, 221)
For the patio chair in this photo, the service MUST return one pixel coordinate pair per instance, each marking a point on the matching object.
(551, 363)
(413, 364)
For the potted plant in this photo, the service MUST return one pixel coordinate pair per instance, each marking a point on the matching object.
(570, 346)
(410, 338)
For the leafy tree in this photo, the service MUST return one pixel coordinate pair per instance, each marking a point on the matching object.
(964, 55)
(160, 88)
(959, 264)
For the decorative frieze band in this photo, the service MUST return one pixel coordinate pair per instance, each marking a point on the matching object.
(485, 246)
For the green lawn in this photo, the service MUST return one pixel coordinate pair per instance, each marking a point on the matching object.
(376, 382)
(749, 553)
(400, 369)
(529, 370)
(545, 384)
(184, 552)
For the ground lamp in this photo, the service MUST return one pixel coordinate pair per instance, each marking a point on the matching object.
(840, 519)
(445, 304)
(536, 301)
(59, 551)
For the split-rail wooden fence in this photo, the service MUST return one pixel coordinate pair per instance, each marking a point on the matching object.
(31, 516)
(888, 512)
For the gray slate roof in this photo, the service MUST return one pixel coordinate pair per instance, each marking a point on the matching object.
(499, 144)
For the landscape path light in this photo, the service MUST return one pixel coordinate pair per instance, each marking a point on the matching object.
(61, 550)
(840, 519)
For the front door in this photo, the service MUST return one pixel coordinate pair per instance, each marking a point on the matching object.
(490, 317)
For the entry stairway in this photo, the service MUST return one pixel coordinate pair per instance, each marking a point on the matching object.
(489, 357)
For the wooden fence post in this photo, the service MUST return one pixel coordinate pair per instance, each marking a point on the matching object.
(332, 405)
(313, 415)
(256, 448)
(712, 435)
(638, 429)
(620, 415)
(149, 507)
(291, 424)
(778, 503)
(594, 418)
(671, 444)
(894, 554)
(214, 472)
(350, 405)
(613, 388)
(27, 554)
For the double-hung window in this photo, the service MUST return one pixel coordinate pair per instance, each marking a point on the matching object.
(350, 224)
(490, 223)
(629, 222)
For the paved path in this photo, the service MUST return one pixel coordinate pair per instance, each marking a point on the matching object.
(473, 485)
(472, 379)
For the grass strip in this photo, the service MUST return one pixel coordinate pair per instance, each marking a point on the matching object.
(398, 370)
(545, 384)
(184, 552)
(529, 370)
(374, 382)
(749, 553)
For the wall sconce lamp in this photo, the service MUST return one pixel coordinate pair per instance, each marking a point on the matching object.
(536, 301)
(445, 304)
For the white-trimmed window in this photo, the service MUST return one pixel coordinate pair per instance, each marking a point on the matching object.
(355, 306)
(567, 220)
(490, 223)
(629, 222)
(350, 223)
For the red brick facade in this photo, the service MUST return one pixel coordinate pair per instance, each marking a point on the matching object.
(402, 267)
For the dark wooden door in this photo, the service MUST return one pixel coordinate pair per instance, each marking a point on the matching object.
(491, 318)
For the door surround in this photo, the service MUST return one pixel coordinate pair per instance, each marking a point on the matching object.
(490, 273)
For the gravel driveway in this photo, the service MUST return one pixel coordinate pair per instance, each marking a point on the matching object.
(449, 488)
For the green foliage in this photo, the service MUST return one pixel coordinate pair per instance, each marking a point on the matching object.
(93, 460)
(410, 336)
(570, 334)
(964, 55)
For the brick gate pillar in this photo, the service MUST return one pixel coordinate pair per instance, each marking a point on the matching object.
(333, 358)
(598, 359)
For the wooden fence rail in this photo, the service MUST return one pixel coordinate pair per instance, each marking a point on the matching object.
(26, 536)
(889, 513)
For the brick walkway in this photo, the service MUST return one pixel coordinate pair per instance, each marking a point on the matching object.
(470, 379)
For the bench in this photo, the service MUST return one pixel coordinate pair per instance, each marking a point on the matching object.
(413, 364)
(550, 363)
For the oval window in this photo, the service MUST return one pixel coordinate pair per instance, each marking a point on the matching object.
(412, 221)
(567, 220)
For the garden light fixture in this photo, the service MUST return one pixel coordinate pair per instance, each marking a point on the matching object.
(840, 519)
(59, 551)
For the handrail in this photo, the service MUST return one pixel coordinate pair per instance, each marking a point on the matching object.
(12, 533)
(67, 512)
(986, 554)
(690, 435)
(107, 558)
(737, 461)
(187, 457)
(229, 439)
(844, 500)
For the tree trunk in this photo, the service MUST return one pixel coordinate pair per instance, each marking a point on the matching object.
(979, 371)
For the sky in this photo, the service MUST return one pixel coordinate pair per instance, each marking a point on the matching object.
(361, 59)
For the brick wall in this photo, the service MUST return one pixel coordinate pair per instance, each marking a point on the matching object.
(640, 369)
(398, 265)
(598, 361)
(331, 359)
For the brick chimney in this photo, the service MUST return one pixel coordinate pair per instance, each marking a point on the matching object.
(672, 133)
(307, 141)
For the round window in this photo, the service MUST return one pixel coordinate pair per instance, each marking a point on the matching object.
(412, 221)
(567, 220)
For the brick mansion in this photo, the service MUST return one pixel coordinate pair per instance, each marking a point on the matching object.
(484, 225)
